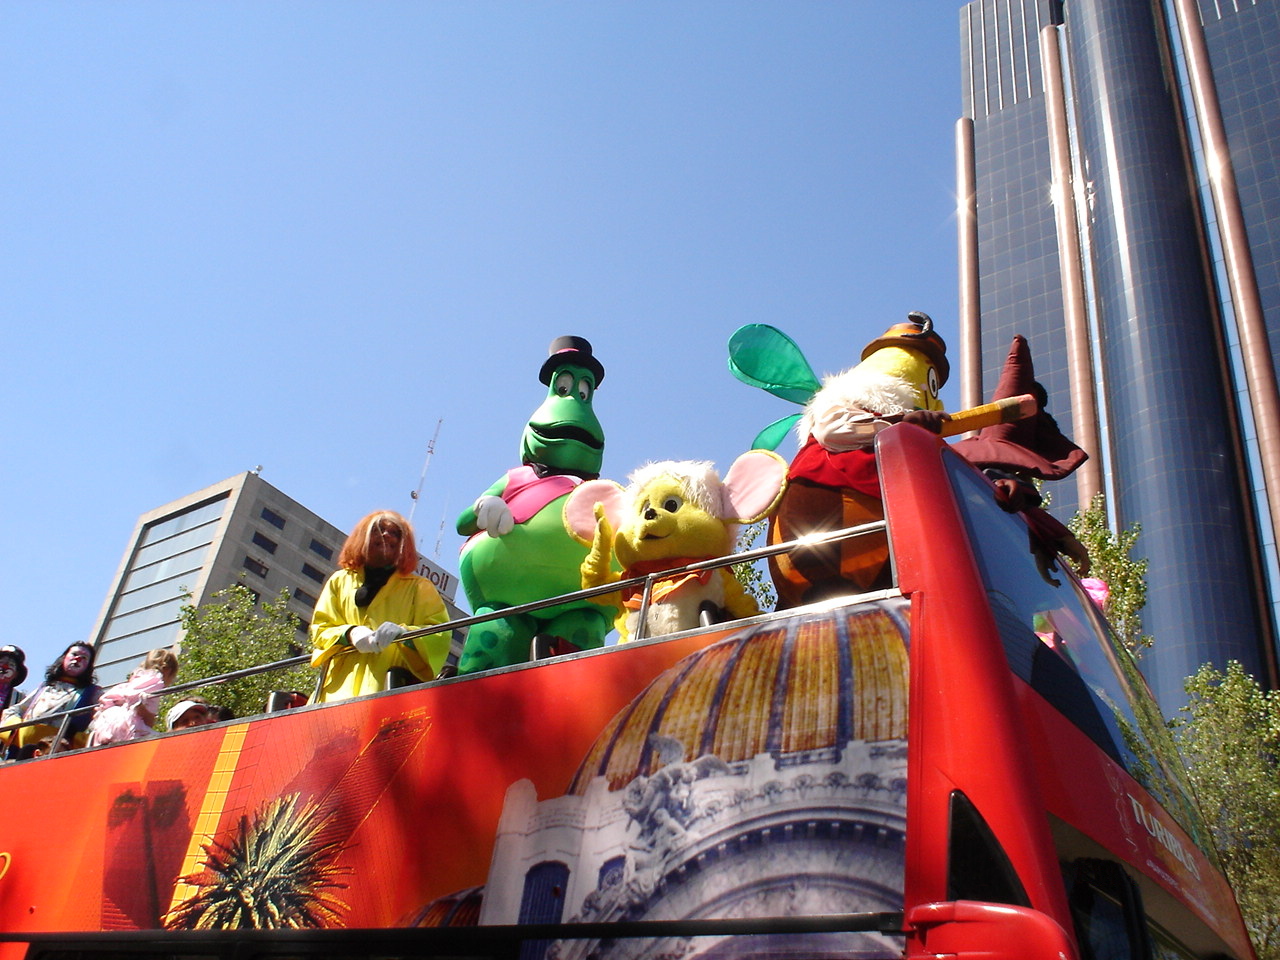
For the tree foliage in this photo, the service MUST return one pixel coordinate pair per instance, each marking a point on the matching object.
(1230, 739)
(1125, 577)
(754, 577)
(233, 631)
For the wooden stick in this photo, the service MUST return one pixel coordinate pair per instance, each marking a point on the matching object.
(989, 414)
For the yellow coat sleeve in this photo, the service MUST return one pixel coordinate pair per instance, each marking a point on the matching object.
(335, 614)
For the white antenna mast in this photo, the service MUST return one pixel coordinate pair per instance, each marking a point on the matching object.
(440, 533)
(431, 448)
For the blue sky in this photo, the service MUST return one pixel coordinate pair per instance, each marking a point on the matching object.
(299, 234)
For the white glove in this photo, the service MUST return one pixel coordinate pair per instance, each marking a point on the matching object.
(387, 634)
(362, 639)
(846, 428)
(493, 516)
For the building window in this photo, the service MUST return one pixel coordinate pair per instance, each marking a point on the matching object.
(313, 573)
(266, 543)
(322, 549)
(254, 566)
(187, 520)
(273, 518)
(303, 597)
(612, 873)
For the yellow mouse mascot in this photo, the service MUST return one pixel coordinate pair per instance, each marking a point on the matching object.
(670, 515)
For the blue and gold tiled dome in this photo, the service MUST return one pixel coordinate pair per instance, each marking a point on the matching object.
(808, 684)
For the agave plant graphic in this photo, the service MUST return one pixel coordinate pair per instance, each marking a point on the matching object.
(272, 872)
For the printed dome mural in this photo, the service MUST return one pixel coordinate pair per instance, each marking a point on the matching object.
(800, 686)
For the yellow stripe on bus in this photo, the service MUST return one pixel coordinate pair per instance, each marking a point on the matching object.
(215, 800)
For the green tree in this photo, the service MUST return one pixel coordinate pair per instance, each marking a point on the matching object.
(1230, 739)
(233, 631)
(1125, 577)
(754, 577)
(274, 871)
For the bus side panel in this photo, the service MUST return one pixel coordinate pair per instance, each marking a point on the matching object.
(1086, 789)
(410, 783)
(750, 772)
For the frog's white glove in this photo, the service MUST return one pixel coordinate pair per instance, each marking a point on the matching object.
(493, 516)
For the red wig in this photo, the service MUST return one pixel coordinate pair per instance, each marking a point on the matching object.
(355, 551)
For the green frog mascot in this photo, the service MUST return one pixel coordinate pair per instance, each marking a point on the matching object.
(519, 549)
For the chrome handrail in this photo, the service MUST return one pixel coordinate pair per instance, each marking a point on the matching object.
(647, 581)
(746, 556)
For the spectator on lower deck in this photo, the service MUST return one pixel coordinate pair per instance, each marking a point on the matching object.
(127, 711)
(68, 685)
(13, 670)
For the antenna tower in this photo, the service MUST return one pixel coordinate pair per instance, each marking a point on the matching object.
(431, 448)
(440, 532)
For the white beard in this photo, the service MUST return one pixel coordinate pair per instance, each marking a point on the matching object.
(852, 393)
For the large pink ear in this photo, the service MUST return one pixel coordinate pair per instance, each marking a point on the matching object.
(580, 508)
(753, 486)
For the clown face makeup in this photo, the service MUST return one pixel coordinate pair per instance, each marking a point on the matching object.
(75, 662)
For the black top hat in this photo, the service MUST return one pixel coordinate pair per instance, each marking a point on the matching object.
(573, 350)
(17, 656)
(917, 333)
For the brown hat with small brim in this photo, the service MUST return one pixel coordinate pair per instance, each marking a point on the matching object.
(916, 333)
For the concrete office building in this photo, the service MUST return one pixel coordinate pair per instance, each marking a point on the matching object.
(242, 529)
(1119, 186)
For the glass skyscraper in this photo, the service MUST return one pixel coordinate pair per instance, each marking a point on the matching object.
(1120, 207)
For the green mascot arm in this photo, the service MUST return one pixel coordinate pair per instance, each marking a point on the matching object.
(467, 525)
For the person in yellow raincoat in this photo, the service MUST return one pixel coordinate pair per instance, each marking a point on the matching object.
(368, 604)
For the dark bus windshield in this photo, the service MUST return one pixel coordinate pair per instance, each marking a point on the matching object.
(1057, 642)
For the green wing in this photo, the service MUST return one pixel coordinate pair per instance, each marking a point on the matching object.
(765, 357)
(774, 433)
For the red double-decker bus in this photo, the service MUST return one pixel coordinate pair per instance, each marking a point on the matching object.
(964, 764)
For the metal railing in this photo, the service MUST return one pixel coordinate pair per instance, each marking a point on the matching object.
(62, 718)
(490, 942)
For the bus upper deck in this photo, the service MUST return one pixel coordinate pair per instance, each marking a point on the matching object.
(965, 762)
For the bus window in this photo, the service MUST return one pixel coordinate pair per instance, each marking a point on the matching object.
(1165, 947)
(1106, 907)
(977, 868)
(1056, 641)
